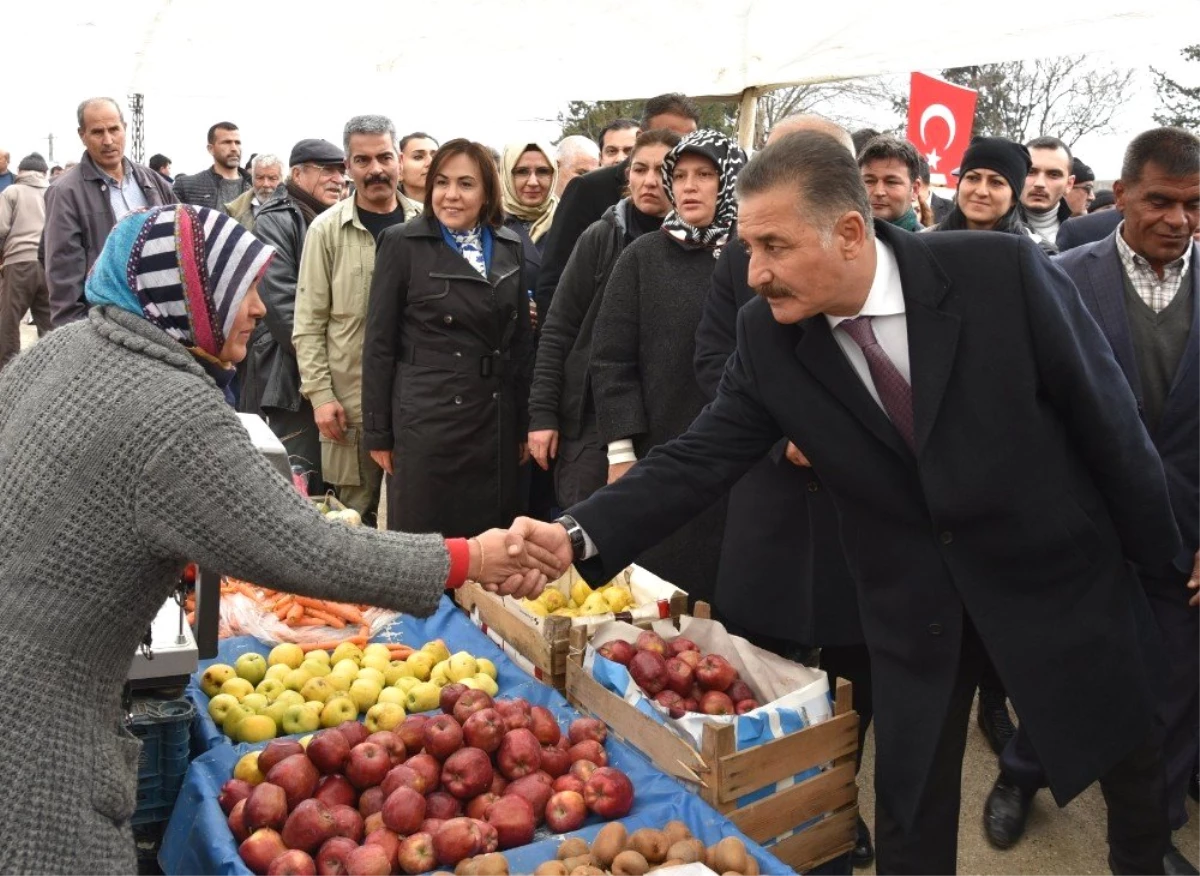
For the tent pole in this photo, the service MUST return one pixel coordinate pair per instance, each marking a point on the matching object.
(747, 114)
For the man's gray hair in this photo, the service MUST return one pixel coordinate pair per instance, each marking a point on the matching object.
(266, 159)
(91, 100)
(367, 125)
(576, 144)
(819, 168)
(811, 122)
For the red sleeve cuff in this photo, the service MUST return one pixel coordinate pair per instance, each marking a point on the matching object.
(460, 562)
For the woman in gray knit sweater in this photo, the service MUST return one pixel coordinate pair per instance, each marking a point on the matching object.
(120, 461)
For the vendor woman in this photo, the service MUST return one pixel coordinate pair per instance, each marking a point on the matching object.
(120, 461)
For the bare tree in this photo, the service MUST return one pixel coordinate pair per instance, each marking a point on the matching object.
(853, 103)
(1179, 105)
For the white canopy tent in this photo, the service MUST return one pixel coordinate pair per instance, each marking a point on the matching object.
(484, 68)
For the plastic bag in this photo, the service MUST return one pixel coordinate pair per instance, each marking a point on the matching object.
(243, 616)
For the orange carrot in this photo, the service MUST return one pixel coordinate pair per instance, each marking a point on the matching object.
(307, 622)
(295, 613)
(328, 619)
(346, 612)
(319, 646)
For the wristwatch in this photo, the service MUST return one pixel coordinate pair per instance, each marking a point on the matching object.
(575, 534)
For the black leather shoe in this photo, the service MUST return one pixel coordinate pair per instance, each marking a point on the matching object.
(1175, 864)
(994, 720)
(1004, 814)
(863, 854)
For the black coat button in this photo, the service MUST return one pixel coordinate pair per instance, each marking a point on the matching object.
(458, 399)
(813, 486)
(947, 537)
(448, 319)
(935, 629)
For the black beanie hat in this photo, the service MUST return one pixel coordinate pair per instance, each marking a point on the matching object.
(1081, 171)
(34, 162)
(1010, 160)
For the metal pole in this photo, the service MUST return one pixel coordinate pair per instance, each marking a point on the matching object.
(747, 114)
(136, 107)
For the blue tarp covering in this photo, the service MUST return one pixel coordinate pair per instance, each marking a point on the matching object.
(197, 839)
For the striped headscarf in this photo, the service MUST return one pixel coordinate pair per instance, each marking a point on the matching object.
(184, 269)
(729, 159)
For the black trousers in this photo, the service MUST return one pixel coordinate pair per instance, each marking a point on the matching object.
(853, 663)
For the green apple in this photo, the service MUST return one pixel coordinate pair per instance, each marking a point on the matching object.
(345, 651)
(393, 695)
(320, 655)
(421, 664)
(376, 649)
(215, 676)
(373, 674)
(376, 661)
(298, 719)
(396, 670)
(276, 711)
(233, 717)
(348, 668)
(423, 697)
(487, 684)
(278, 672)
(256, 728)
(339, 681)
(462, 665)
(239, 687)
(384, 716)
(317, 689)
(255, 702)
(270, 688)
(487, 667)
(316, 668)
(337, 710)
(437, 648)
(365, 693)
(290, 697)
(296, 679)
(219, 706)
(407, 684)
(287, 653)
(438, 675)
(315, 706)
(252, 667)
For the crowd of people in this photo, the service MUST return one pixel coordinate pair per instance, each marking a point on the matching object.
(798, 385)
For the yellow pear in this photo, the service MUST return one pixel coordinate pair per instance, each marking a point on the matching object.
(486, 667)
(534, 607)
(552, 599)
(580, 591)
(596, 604)
(618, 598)
(567, 612)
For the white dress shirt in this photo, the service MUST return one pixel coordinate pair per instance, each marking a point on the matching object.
(885, 306)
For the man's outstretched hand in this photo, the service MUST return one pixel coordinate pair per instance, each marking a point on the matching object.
(549, 539)
(509, 563)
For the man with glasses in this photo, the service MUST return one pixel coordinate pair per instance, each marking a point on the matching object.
(1083, 192)
(271, 383)
(86, 202)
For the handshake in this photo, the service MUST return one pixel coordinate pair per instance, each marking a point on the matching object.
(518, 561)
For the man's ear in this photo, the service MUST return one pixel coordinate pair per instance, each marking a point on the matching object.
(850, 234)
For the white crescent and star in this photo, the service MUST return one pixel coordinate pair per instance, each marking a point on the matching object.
(938, 111)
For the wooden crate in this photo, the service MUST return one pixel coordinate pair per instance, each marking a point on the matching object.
(543, 647)
(723, 774)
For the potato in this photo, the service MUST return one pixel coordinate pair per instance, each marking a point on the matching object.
(751, 866)
(610, 842)
(650, 844)
(580, 861)
(551, 868)
(730, 854)
(573, 848)
(629, 863)
(676, 831)
(465, 867)
(493, 864)
(689, 851)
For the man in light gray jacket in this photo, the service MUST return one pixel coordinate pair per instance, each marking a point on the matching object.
(22, 280)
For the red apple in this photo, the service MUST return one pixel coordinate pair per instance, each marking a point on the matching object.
(477, 808)
(386, 840)
(679, 644)
(583, 769)
(449, 696)
(589, 749)
(555, 760)
(309, 825)
(427, 767)
(672, 702)
(696, 692)
(412, 733)
(543, 725)
(293, 863)
(267, 806)
(516, 713)
(566, 812)
(514, 820)
(679, 676)
(297, 776)
(331, 859)
(328, 751)
(443, 806)
(403, 811)
(467, 773)
(354, 732)
(691, 705)
(403, 776)
(431, 825)
(391, 743)
(714, 672)
(536, 792)
(587, 728)
(618, 650)
(367, 765)
(649, 670)
(443, 736)
(484, 730)
(237, 821)
(261, 848)
(336, 790)
(717, 703)
(744, 706)
(457, 839)
(233, 791)
(347, 822)
(520, 754)
(609, 793)
(373, 822)
(369, 860)
(739, 691)
(691, 658)
(416, 854)
(568, 782)
(489, 838)
(277, 750)
(499, 784)
(371, 800)
(470, 702)
(648, 640)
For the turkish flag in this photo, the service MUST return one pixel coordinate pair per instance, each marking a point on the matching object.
(940, 118)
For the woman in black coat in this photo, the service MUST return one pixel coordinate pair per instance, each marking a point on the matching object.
(446, 359)
(645, 339)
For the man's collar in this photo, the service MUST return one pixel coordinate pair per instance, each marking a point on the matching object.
(886, 297)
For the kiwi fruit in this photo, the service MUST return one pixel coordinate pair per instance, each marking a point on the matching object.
(676, 831)
(610, 842)
(730, 854)
(465, 867)
(689, 851)
(751, 866)
(650, 844)
(492, 864)
(629, 863)
(573, 848)
(551, 868)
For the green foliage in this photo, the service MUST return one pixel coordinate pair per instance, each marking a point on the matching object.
(1178, 105)
(589, 119)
